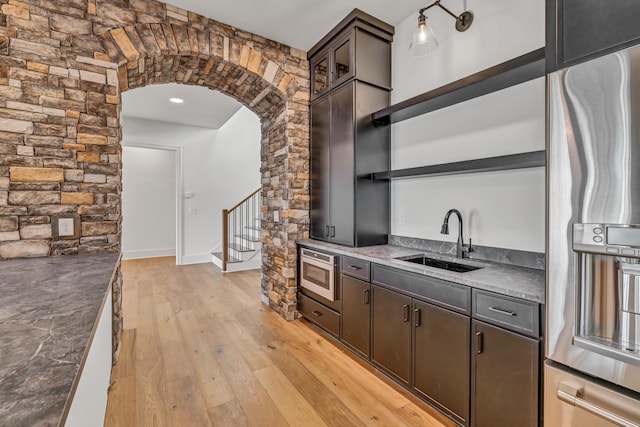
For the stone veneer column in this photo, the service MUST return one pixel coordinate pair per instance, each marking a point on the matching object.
(63, 66)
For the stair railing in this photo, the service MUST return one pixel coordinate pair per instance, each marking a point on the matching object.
(236, 220)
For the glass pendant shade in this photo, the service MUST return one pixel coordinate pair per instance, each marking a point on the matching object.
(424, 40)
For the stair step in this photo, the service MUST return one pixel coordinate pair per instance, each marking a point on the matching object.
(248, 237)
(231, 259)
(240, 248)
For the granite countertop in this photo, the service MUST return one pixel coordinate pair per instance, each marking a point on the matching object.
(48, 308)
(519, 282)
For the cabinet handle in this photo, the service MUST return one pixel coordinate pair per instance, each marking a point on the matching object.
(501, 311)
(316, 313)
(326, 230)
(355, 267)
(333, 231)
(479, 342)
(417, 316)
(365, 297)
(405, 309)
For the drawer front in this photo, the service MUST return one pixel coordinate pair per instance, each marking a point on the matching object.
(356, 268)
(317, 313)
(440, 292)
(510, 313)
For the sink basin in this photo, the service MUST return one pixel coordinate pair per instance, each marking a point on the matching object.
(438, 263)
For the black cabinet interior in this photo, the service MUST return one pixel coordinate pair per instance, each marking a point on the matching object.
(505, 384)
(581, 29)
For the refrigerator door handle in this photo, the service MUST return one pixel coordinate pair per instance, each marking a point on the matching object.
(569, 393)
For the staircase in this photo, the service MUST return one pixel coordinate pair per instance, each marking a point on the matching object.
(241, 236)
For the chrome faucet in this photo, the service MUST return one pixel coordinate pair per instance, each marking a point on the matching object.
(462, 251)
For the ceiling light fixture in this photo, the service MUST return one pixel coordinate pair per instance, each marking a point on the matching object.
(176, 100)
(424, 39)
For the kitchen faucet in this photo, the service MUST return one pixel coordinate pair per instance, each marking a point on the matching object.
(461, 250)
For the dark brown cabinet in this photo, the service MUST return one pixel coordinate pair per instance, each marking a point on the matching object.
(333, 65)
(581, 29)
(391, 333)
(356, 322)
(344, 209)
(441, 341)
(472, 354)
(505, 378)
(350, 78)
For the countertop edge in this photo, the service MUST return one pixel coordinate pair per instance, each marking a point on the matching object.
(76, 379)
(535, 279)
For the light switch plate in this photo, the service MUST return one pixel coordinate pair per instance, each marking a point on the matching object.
(65, 227)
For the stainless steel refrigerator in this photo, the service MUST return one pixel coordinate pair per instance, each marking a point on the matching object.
(592, 371)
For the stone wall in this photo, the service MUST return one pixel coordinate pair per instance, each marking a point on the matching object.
(63, 66)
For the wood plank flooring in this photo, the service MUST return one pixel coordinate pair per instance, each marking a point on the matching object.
(200, 349)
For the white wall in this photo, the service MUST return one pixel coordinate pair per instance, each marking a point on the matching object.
(220, 167)
(237, 154)
(148, 203)
(501, 209)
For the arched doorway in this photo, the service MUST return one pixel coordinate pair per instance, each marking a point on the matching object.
(146, 54)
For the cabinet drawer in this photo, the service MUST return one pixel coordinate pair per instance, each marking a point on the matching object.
(317, 313)
(355, 267)
(510, 313)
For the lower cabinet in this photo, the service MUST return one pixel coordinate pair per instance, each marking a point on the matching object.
(472, 354)
(391, 333)
(441, 341)
(425, 347)
(505, 384)
(356, 321)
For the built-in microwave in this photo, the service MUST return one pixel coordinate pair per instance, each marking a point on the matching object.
(318, 273)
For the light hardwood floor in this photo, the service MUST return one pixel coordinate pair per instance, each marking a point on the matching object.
(200, 349)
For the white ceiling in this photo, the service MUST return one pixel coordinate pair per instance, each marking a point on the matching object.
(297, 23)
(202, 107)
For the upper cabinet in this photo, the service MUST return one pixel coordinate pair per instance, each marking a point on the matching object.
(352, 49)
(578, 30)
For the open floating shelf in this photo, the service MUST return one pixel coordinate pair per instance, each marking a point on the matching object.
(512, 161)
(518, 70)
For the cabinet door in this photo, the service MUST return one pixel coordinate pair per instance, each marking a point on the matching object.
(589, 27)
(342, 169)
(342, 54)
(505, 383)
(319, 168)
(356, 314)
(320, 72)
(441, 356)
(391, 332)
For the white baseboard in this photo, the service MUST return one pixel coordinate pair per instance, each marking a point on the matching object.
(265, 299)
(148, 253)
(196, 259)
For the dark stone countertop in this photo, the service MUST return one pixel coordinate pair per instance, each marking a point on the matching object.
(519, 282)
(48, 308)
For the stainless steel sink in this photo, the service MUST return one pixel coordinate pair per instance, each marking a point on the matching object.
(438, 263)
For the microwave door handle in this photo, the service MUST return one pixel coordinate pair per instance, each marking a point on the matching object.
(569, 394)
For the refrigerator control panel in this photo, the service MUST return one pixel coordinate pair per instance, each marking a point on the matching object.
(607, 239)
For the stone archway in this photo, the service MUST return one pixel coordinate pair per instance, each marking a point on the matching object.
(171, 53)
